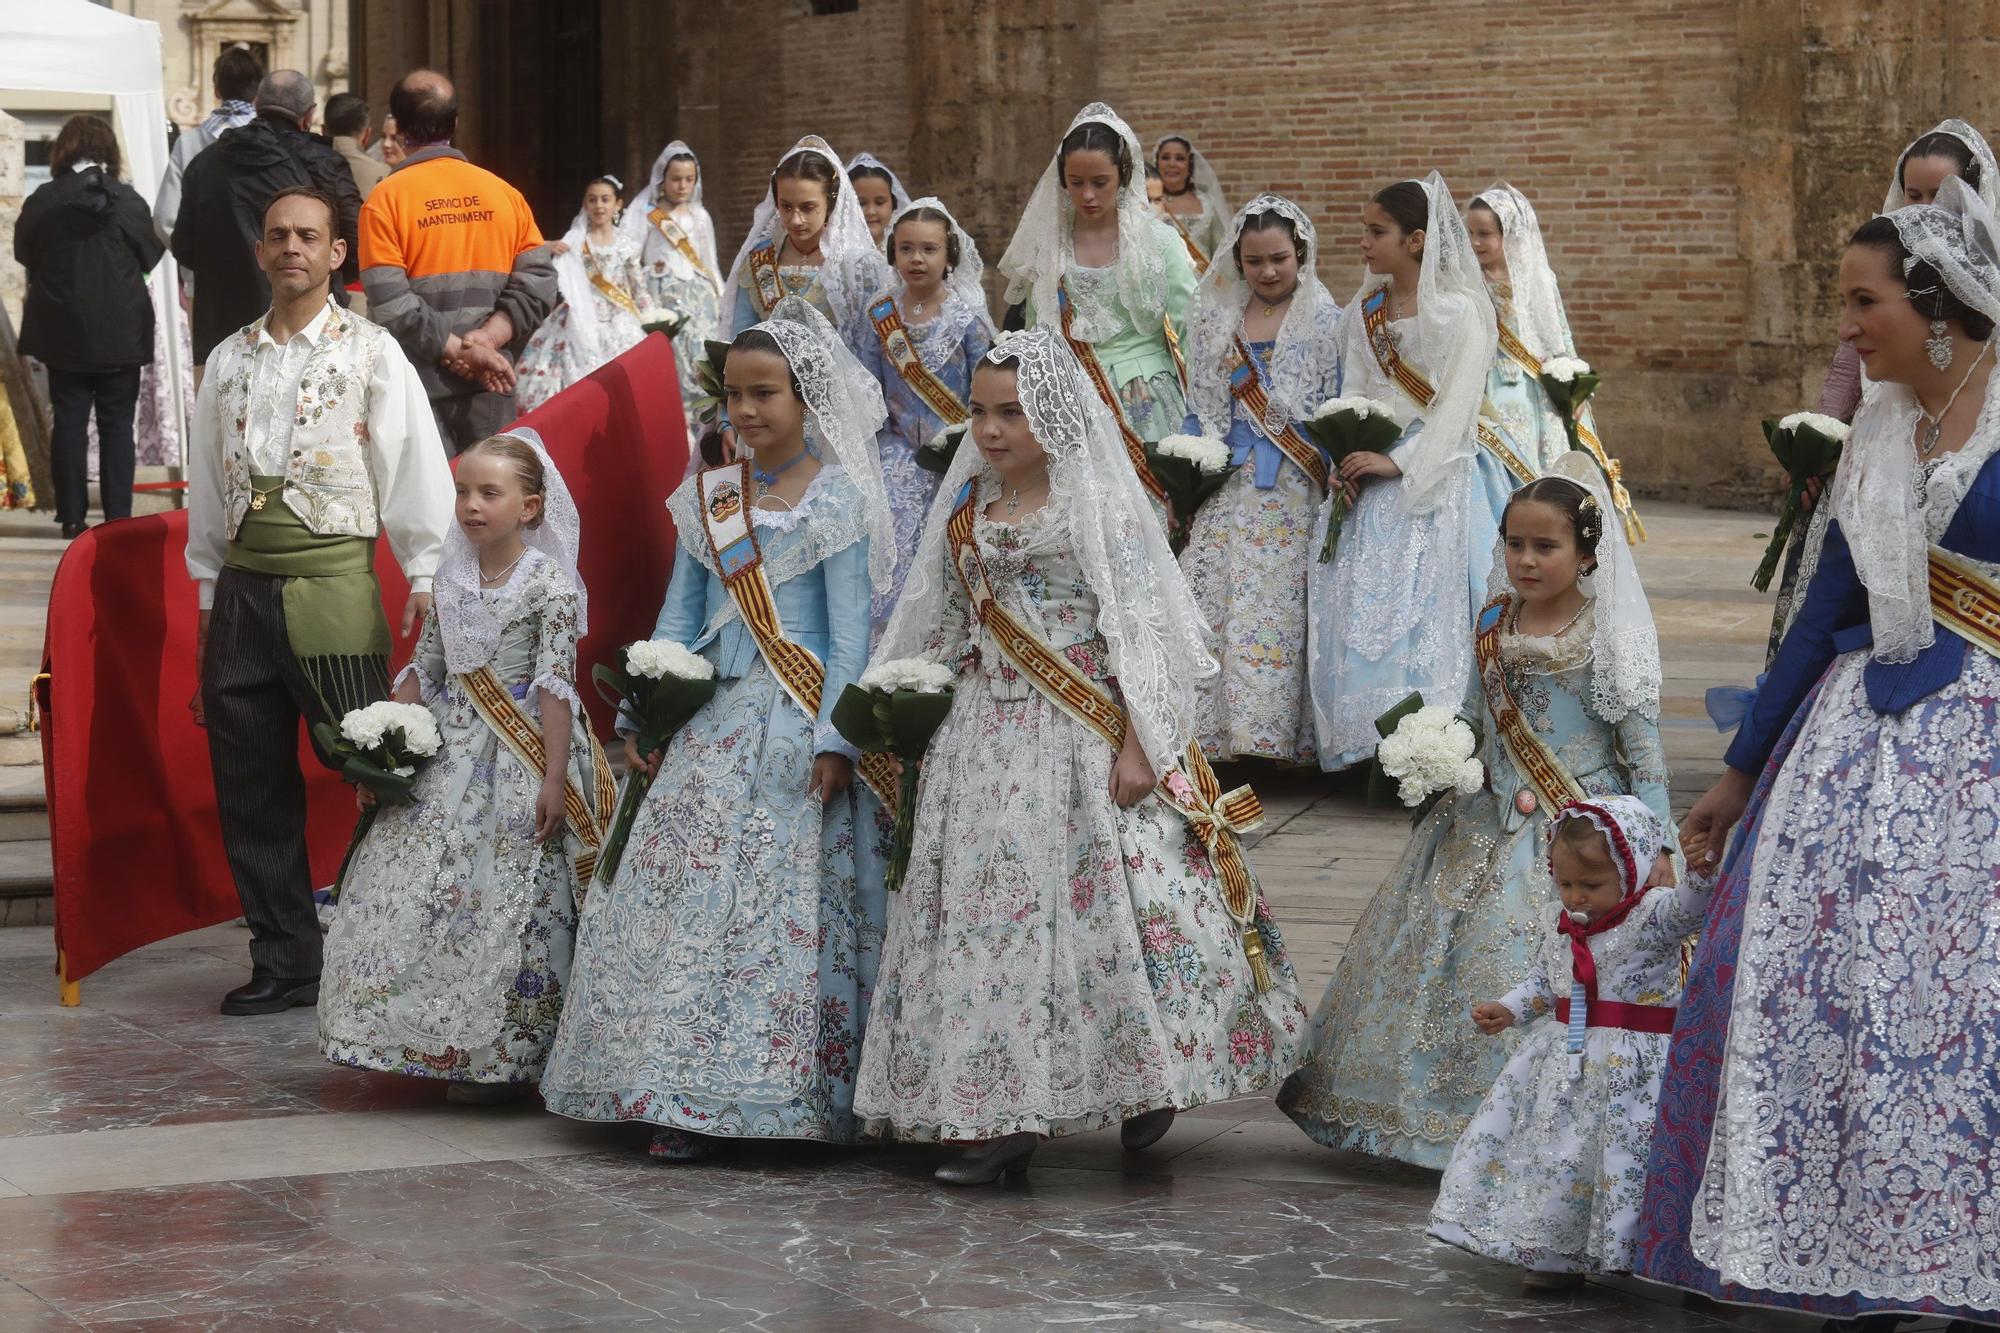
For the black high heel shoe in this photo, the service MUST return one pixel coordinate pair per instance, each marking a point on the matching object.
(987, 1162)
(1146, 1129)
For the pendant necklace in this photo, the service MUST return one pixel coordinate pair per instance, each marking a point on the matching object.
(501, 577)
(1927, 443)
(1271, 307)
(770, 478)
(258, 499)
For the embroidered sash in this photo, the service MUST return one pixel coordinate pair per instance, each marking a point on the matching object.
(1191, 788)
(1965, 600)
(676, 235)
(1553, 786)
(610, 290)
(1195, 254)
(1135, 448)
(724, 493)
(1375, 318)
(1247, 387)
(589, 816)
(765, 283)
(901, 350)
(1614, 471)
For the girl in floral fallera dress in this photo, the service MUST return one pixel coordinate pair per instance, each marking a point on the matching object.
(1549, 1173)
(722, 977)
(807, 239)
(1066, 952)
(449, 957)
(924, 336)
(677, 237)
(1094, 261)
(603, 291)
(1567, 645)
(1263, 307)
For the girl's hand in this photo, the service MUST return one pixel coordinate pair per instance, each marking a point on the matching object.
(1662, 875)
(830, 776)
(549, 813)
(1492, 1018)
(650, 763)
(1707, 826)
(364, 797)
(1131, 776)
(1357, 467)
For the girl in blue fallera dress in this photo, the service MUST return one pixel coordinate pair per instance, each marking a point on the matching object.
(1389, 611)
(722, 978)
(1263, 354)
(1567, 646)
(924, 334)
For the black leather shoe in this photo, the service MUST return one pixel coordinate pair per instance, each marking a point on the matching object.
(270, 995)
(1147, 1129)
(71, 531)
(984, 1163)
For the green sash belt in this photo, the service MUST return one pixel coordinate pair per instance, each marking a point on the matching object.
(333, 601)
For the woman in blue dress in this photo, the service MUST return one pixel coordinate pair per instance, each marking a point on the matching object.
(807, 239)
(1263, 322)
(1397, 1068)
(722, 978)
(923, 336)
(1389, 612)
(1828, 1127)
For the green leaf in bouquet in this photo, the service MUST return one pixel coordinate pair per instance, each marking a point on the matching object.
(613, 685)
(1349, 432)
(667, 705)
(856, 718)
(914, 717)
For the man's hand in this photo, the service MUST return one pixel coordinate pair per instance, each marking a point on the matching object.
(200, 662)
(415, 609)
(486, 366)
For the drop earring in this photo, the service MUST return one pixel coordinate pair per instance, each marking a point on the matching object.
(1938, 346)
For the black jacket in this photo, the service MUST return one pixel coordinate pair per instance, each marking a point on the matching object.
(87, 243)
(224, 192)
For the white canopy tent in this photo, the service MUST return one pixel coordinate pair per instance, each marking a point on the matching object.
(74, 46)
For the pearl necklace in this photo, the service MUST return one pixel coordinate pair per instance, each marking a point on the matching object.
(502, 576)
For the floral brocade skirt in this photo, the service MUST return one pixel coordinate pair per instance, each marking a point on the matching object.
(1056, 964)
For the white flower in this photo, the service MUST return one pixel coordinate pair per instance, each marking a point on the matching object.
(906, 673)
(1564, 369)
(1210, 456)
(1815, 422)
(367, 727)
(654, 658)
(654, 314)
(1360, 407)
(1430, 751)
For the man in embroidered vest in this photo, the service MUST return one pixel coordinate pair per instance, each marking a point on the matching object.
(311, 435)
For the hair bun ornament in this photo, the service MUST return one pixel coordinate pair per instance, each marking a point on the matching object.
(1590, 520)
(613, 181)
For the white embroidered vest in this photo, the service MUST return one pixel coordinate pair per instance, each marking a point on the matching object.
(326, 478)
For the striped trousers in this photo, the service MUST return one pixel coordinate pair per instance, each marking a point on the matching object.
(254, 694)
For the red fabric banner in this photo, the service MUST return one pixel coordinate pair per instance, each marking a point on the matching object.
(138, 855)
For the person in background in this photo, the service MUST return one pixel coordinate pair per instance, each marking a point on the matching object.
(347, 126)
(235, 79)
(223, 197)
(87, 243)
(453, 266)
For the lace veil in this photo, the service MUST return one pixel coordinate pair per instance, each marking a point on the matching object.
(899, 197)
(851, 268)
(1889, 526)
(1455, 329)
(1307, 341)
(1989, 173)
(1539, 317)
(467, 625)
(966, 281)
(637, 224)
(1147, 615)
(1202, 179)
(1624, 644)
(843, 412)
(1040, 252)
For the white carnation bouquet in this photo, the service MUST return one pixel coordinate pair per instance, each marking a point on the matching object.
(379, 748)
(1427, 751)
(941, 448)
(1808, 446)
(659, 319)
(895, 708)
(1190, 469)
(1568, 381)
(1344, 426)
(661, 687)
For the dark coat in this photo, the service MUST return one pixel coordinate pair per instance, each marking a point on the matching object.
(87, 242)
(224, 193)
